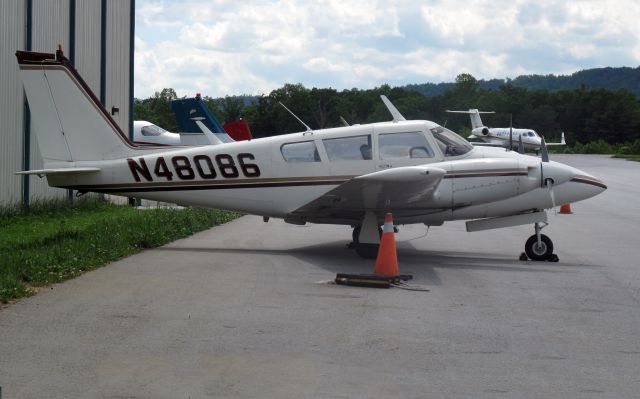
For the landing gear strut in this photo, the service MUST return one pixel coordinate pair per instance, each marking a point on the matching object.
(540, 247)
(366, 237)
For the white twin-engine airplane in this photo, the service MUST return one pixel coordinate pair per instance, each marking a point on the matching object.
(418, 170)
(504, 136)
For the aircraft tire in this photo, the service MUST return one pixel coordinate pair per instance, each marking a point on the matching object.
(356, 233)
(367, 251)
(544, 252)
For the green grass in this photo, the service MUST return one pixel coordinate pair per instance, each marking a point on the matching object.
(628, 157)
(57, 240)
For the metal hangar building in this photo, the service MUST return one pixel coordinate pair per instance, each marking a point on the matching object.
(98, 37)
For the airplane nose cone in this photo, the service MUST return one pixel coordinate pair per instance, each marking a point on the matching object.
(594, 185)
(580, 186)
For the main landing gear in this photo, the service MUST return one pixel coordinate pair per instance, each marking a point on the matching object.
(539, 247)
(366, 237)
(363, 249)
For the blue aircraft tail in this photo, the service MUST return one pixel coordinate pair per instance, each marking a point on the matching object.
(188, 110)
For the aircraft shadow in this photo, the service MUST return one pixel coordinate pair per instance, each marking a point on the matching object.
(422, 264)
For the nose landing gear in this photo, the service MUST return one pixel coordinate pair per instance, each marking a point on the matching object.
(539, 247)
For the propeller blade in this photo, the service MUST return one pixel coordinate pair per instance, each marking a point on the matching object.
(520, 145)
(551, 194)
(510, 132)
(543, 150)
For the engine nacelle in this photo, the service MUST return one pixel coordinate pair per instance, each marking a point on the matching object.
(480, 131)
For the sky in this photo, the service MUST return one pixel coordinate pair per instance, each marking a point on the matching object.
(221, 47)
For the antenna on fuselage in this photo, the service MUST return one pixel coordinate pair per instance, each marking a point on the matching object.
(344, 122)
(295, 116)
(397, 116)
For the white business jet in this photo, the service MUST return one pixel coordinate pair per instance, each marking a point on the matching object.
(504, 136)
(353, 175)
(147, 133)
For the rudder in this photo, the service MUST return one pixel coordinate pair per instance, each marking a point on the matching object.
(70, 122)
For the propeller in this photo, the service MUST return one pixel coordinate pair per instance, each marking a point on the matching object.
(543, 150)
(510, 132)
(520, 145)
(547, 182)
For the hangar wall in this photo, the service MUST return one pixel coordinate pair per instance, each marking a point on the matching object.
(97, 36)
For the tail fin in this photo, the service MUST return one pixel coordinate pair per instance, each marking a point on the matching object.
(190, 110)
(70, 122)
(474, 115)
(239, 130)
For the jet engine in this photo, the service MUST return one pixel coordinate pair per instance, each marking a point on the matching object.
(480, 131)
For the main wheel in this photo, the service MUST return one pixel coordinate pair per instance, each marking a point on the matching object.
(367, 251)
(539, 252)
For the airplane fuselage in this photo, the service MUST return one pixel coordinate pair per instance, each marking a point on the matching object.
(275, 176)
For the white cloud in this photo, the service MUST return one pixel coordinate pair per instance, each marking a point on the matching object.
(227, 47)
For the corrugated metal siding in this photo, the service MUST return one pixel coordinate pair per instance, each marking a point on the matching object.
(50, 28)
(12, 18)
(118, 39)
(87, 62)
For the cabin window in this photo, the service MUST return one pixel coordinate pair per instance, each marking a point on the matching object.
(404, 145)
(304, 151)
(355, 148)
(152, 130)
(450, 143)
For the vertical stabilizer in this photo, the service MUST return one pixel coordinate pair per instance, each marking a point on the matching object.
(70, 122)
(474, 115)
(190, 110)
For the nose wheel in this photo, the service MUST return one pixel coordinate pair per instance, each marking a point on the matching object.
(539, 247)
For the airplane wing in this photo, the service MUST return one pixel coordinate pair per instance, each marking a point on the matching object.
(485, 144)
(403, 188)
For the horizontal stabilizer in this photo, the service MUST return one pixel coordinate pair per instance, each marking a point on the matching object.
(471, 112)
(562, 141)
(61, 171)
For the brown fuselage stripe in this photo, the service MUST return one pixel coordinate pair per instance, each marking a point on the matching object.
(194, 187)
(589, 180)
(253, 183)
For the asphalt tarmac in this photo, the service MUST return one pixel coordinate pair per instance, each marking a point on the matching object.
(244, 311)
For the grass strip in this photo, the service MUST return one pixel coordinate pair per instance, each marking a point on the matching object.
(59, 240)
(628, 157)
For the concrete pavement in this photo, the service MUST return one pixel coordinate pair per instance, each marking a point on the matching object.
(240, 311)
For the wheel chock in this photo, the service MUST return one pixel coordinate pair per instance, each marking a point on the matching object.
(523, 256)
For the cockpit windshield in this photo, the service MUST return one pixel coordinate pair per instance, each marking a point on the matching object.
(450, 143)
(152, 130)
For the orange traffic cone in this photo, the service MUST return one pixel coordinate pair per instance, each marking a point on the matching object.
(565, 209)
(387, 260)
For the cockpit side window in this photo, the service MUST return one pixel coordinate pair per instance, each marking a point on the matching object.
(404, 145)
(152, 130)
(450, 143)
(303, 151)
(348, 148)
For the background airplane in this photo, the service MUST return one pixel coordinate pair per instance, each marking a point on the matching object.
(353, 175)
(500, 136)
(147, 133)
(197, 126)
